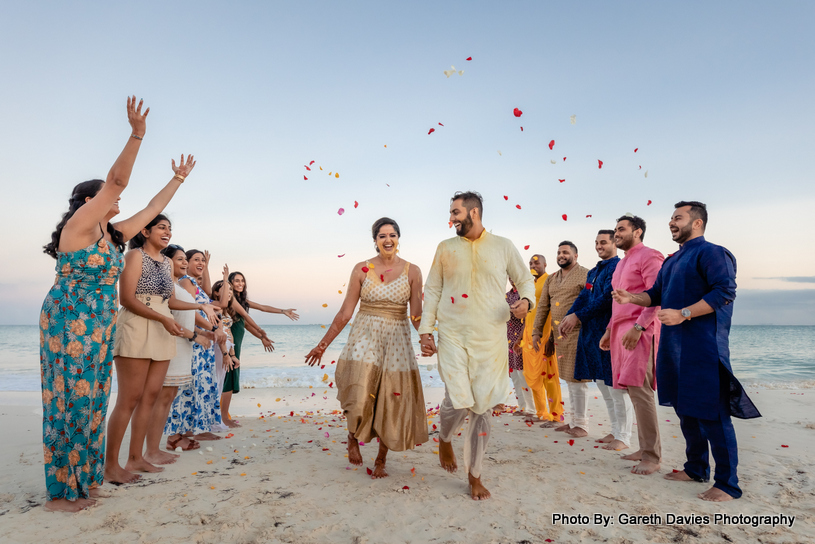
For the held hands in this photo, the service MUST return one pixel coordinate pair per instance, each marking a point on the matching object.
(631, 338)
(184, 168)
(621, 296)
(670, 317)
(605, 341)
(172, 327)
(203, 341)
(428, 344)
(209, 311)
(290, 314)
(567, 325)
(520, 308)
(315, 355)
(536, 343)
(220, 336)
(135, 117)
(516, 347)
(235, 362)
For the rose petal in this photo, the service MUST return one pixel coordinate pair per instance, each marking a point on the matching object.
(441, 125)
(341, 211)
(522, 129)
(397, 394)
(369, 471)
(431, 131)
(564, 159)
(365, 269)
(341, 256)
(382, 277)
(551, 144)
(588, 215)
(405, 487)
(305, 178)
(312, 162)
(526, 247)
(599, 163)
(649, 203)
(564, 216)
(518, 206)
(561, 180)
(506, 197)
(452, 300)
(469, 58)
(307, 168)
(517, 113)
(635, 149)
(465, 296)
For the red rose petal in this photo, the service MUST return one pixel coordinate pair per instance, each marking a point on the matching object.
(356, 204)
(382, 277)
(506, 197)
(522, 129)
(517, 113)
(518, 206)
(640, 167)
(469, 58)
(331, 384)
(588, 215)
(452, 300)
(405, 487)
(482, 434)
(431, 131)
(369, 471)
(341, 256)
(635, 149)
(784, 446)
(465, 296)
(365, 269)
(312, 162)
(305, 178)
(674, 471)
(551, 144)
(599, 163)
(397, 394)
(565, 217)
(441, 125)
(561, 180)
(449, 224)
(649, 203)
(307, 168)
(526, 247)
(571, 442)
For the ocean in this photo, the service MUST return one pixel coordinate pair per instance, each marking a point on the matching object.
(765, 357)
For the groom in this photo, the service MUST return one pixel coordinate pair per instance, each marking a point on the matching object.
(465, 292)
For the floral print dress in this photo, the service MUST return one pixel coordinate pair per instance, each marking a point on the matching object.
(197, 407)
(77, 327)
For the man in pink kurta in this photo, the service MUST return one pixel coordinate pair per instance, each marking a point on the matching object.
(632, 336)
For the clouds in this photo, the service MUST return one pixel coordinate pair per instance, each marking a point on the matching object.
(775, 307)
(792, 279)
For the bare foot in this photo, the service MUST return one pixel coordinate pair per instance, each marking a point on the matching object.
(678, 476)
(141, 465)
(207, 436)
(645, 468)
(64, 505)
(354, 456)
(447, 457)
(550, 425)
(606, 439)
(477, 489)
(98, 493)
(636, 456)
(379, 470)
(118, 475)
(563, 428)
(161, 458)
(617, 445)
(185, 443)
(232, 424)
(497, 410)
(577, 432)
(714, 494)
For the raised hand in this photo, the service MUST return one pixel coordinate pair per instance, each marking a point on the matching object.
(135, 117)
(268, 345)
(210, 312)
(207, 256)
(621, 296)
(184, 168)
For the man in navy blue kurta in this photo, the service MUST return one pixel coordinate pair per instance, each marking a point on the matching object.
(592, 310)
(696, 288)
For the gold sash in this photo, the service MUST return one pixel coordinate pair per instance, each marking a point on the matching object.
(388, 310)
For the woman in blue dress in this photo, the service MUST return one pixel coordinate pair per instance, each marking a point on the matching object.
(78, 323)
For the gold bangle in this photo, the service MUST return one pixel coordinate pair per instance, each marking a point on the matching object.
(179, 178)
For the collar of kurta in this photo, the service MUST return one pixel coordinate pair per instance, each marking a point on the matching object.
(483, 234)
(691, 243)
(634, 249)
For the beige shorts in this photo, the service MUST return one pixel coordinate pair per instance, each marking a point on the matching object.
(141, 338)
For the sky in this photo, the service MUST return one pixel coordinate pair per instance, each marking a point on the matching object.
(715, 96)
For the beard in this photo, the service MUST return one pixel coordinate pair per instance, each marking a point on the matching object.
(626, 243)
(566, 263)
(466, 225)
(683, 234)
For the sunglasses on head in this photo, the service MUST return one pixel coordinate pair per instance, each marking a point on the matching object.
(175, 247)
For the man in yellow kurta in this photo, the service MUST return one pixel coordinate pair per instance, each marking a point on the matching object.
(540, 370)
(465, 293)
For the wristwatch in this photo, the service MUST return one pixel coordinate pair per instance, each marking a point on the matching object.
(194, 336)
(639, 327)
(686, 313)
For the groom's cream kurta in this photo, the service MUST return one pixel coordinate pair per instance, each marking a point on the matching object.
(466, 291)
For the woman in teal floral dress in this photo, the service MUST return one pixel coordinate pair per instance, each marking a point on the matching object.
(78, 323)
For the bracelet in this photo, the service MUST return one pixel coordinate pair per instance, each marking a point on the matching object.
(214, 328)
(177, 176)
(137, 137)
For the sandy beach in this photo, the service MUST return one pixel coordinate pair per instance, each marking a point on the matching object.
(284, 477)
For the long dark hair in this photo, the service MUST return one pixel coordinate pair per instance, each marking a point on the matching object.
(78, 195)
(139, 240)
(241, 297)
